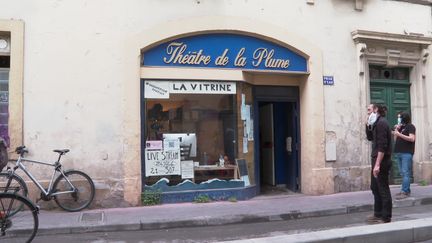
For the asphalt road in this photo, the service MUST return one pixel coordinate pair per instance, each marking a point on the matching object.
(237, 231)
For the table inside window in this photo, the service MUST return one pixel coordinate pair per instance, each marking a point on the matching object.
(204, 173)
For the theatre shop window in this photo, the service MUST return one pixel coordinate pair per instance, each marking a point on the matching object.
(191, 135)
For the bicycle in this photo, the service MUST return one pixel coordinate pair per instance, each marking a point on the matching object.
(20, 226)
(72, 190)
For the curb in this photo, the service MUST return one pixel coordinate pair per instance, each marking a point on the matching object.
(223, 220)
(417, 230)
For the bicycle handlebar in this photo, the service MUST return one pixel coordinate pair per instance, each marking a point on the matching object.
(21, 150)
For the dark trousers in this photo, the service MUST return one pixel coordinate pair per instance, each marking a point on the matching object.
(381, 190)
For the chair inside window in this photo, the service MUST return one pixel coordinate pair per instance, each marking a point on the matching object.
(185, 151)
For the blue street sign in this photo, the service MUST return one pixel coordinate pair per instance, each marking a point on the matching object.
(328, 80)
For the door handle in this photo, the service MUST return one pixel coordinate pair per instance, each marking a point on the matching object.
(289, 144)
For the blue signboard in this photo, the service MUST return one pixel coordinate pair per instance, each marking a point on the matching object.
(328, 80)
(224, 51)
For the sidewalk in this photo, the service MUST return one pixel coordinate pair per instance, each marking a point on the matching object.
(259, 209)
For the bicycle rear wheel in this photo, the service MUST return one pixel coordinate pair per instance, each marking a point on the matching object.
(21, 226)
(13, 184)
(70, 199)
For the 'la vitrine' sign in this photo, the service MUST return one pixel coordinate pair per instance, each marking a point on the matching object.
(225, 51)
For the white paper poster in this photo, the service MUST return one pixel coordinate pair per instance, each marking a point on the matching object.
(250, 130)
(245, 145)
(163, 89)
(188, 87)
(154, 145)
(160, 162)
(156, 90)
(187, 169)
(171, 144)
(247, 112)
(243, 107)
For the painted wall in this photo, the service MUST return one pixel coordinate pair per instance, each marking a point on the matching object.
(80, 69)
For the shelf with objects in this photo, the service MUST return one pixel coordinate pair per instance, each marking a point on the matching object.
(222, 171)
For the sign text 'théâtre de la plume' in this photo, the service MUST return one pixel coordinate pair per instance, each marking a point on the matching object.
(178, 53)
(227, 51)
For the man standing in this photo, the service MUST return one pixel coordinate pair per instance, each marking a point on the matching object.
(404, 149)
(381, 165)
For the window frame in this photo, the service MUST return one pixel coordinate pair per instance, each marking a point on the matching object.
(15, 28)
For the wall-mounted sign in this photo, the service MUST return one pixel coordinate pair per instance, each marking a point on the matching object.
(225, 51)
(328, 80)
(156, 90)
(162, 89)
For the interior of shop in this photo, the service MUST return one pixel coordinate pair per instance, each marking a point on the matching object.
(204, 124)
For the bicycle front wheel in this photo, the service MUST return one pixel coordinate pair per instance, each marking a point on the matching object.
(21, 226)
(75, 191)
(13, 184)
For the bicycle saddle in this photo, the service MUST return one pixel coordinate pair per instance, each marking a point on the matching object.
(61, 151)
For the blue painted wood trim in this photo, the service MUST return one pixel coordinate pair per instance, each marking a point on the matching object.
(244, 193)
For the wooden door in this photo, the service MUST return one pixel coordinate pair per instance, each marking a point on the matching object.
(267, 144)
(392, 88)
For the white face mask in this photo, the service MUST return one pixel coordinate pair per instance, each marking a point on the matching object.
(372, 118)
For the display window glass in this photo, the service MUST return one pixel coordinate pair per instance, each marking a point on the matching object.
(191, 136)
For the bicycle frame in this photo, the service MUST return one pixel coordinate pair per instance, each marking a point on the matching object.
(57, 168)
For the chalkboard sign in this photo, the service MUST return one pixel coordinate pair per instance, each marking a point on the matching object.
(242, 166)
(243, 171)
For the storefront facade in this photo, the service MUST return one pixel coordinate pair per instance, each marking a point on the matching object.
(229, 123)
(240, 84)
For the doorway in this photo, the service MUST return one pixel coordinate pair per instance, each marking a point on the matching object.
(391, 86)
(278, 143)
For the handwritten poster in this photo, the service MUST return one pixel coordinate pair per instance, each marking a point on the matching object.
(160, 163)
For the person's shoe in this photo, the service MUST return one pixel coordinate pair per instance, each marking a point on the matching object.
(403, 195)
(372, 218)
(398, 194)
(379, 221)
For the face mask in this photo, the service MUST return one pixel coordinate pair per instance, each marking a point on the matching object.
(399, 120)
(372, 118)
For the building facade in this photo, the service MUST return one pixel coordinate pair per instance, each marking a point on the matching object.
(222, 98)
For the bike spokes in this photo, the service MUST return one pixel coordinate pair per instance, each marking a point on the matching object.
(21, 226)
(77, 191)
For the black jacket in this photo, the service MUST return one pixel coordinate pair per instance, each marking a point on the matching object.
(380, 135)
